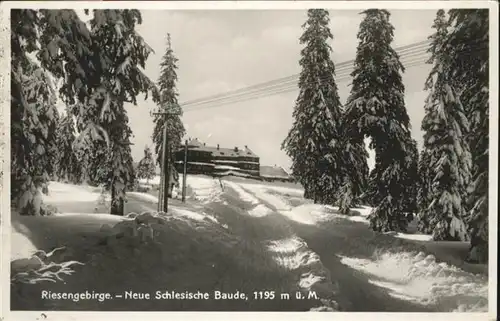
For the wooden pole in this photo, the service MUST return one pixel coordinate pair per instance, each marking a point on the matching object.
(166, 173)
(165, 166)
(162, 168)
(185, 172)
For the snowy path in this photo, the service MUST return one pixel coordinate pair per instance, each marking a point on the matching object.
(249, 236)
(373, 272)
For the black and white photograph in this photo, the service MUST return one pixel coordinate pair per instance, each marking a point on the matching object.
(309, 158)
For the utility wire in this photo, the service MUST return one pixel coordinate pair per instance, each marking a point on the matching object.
(292, 86)
(408, 50)
(276, 92)
(340, 72)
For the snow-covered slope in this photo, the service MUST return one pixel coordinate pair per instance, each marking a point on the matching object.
(407, 275)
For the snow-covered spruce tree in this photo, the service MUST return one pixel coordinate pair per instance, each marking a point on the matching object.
(423, 193)
(167, 101)
(355, 165)
(425, 172)
(355, 173)
(32, 101)
(33, 118)
(121, 52)
(52, 147)
(69, 168)
(95, 68)
(146, 167)
(469, 40)
(445, 128)
(376, 107)
(313, 141)
(411, 179)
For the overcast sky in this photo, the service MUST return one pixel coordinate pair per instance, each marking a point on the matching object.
(224, 50)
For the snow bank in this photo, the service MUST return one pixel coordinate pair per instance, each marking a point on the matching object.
(414, 237)
(56, 230)
(293, 254)
(419, 278)
(23, 247)
(297, 253)
(205, 189)
(154, 181)
(176, 211)
(360, 219)
(260, 211)
(260, 192)
(310, 214)
(81, 217)
(363, 211)
(244, 195)
(66, 193)
(144, 196)
(287, 190)
(200, 217)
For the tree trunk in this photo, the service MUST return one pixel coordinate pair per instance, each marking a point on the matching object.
(117, 205)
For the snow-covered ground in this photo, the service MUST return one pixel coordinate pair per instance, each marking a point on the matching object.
(421, 278)
(85, 209)
(291, 252)
(411, 276)
(204, 188)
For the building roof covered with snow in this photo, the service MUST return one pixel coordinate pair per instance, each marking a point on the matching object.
(218, 151)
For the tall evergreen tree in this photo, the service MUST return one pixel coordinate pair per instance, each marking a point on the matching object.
(423, 192)
(410, 179)
(167, 101)
(425, 172)
(445, 126)
(68, 165)
(33, 118)
(376, 108)
(124, 52)
(469, 39)
(95, 68)
(313, 141)
(146, 167)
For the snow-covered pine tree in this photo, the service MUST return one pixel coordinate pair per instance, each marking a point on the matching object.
(313, 141)
(52, 147)
(68, 165)
(376, 107)
(121, 52)
(33, 100)
(146, 167)
(33, 117)
(425, 173)
(445, 128)
(355, 174)
(167, 101)
(423, 193)
(469, 39)
(95, 68)
(411, 179)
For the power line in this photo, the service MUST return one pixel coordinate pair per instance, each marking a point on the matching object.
(412, 49)
(247, 90)
(292, 86)
(276, 92)
(289, 85)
